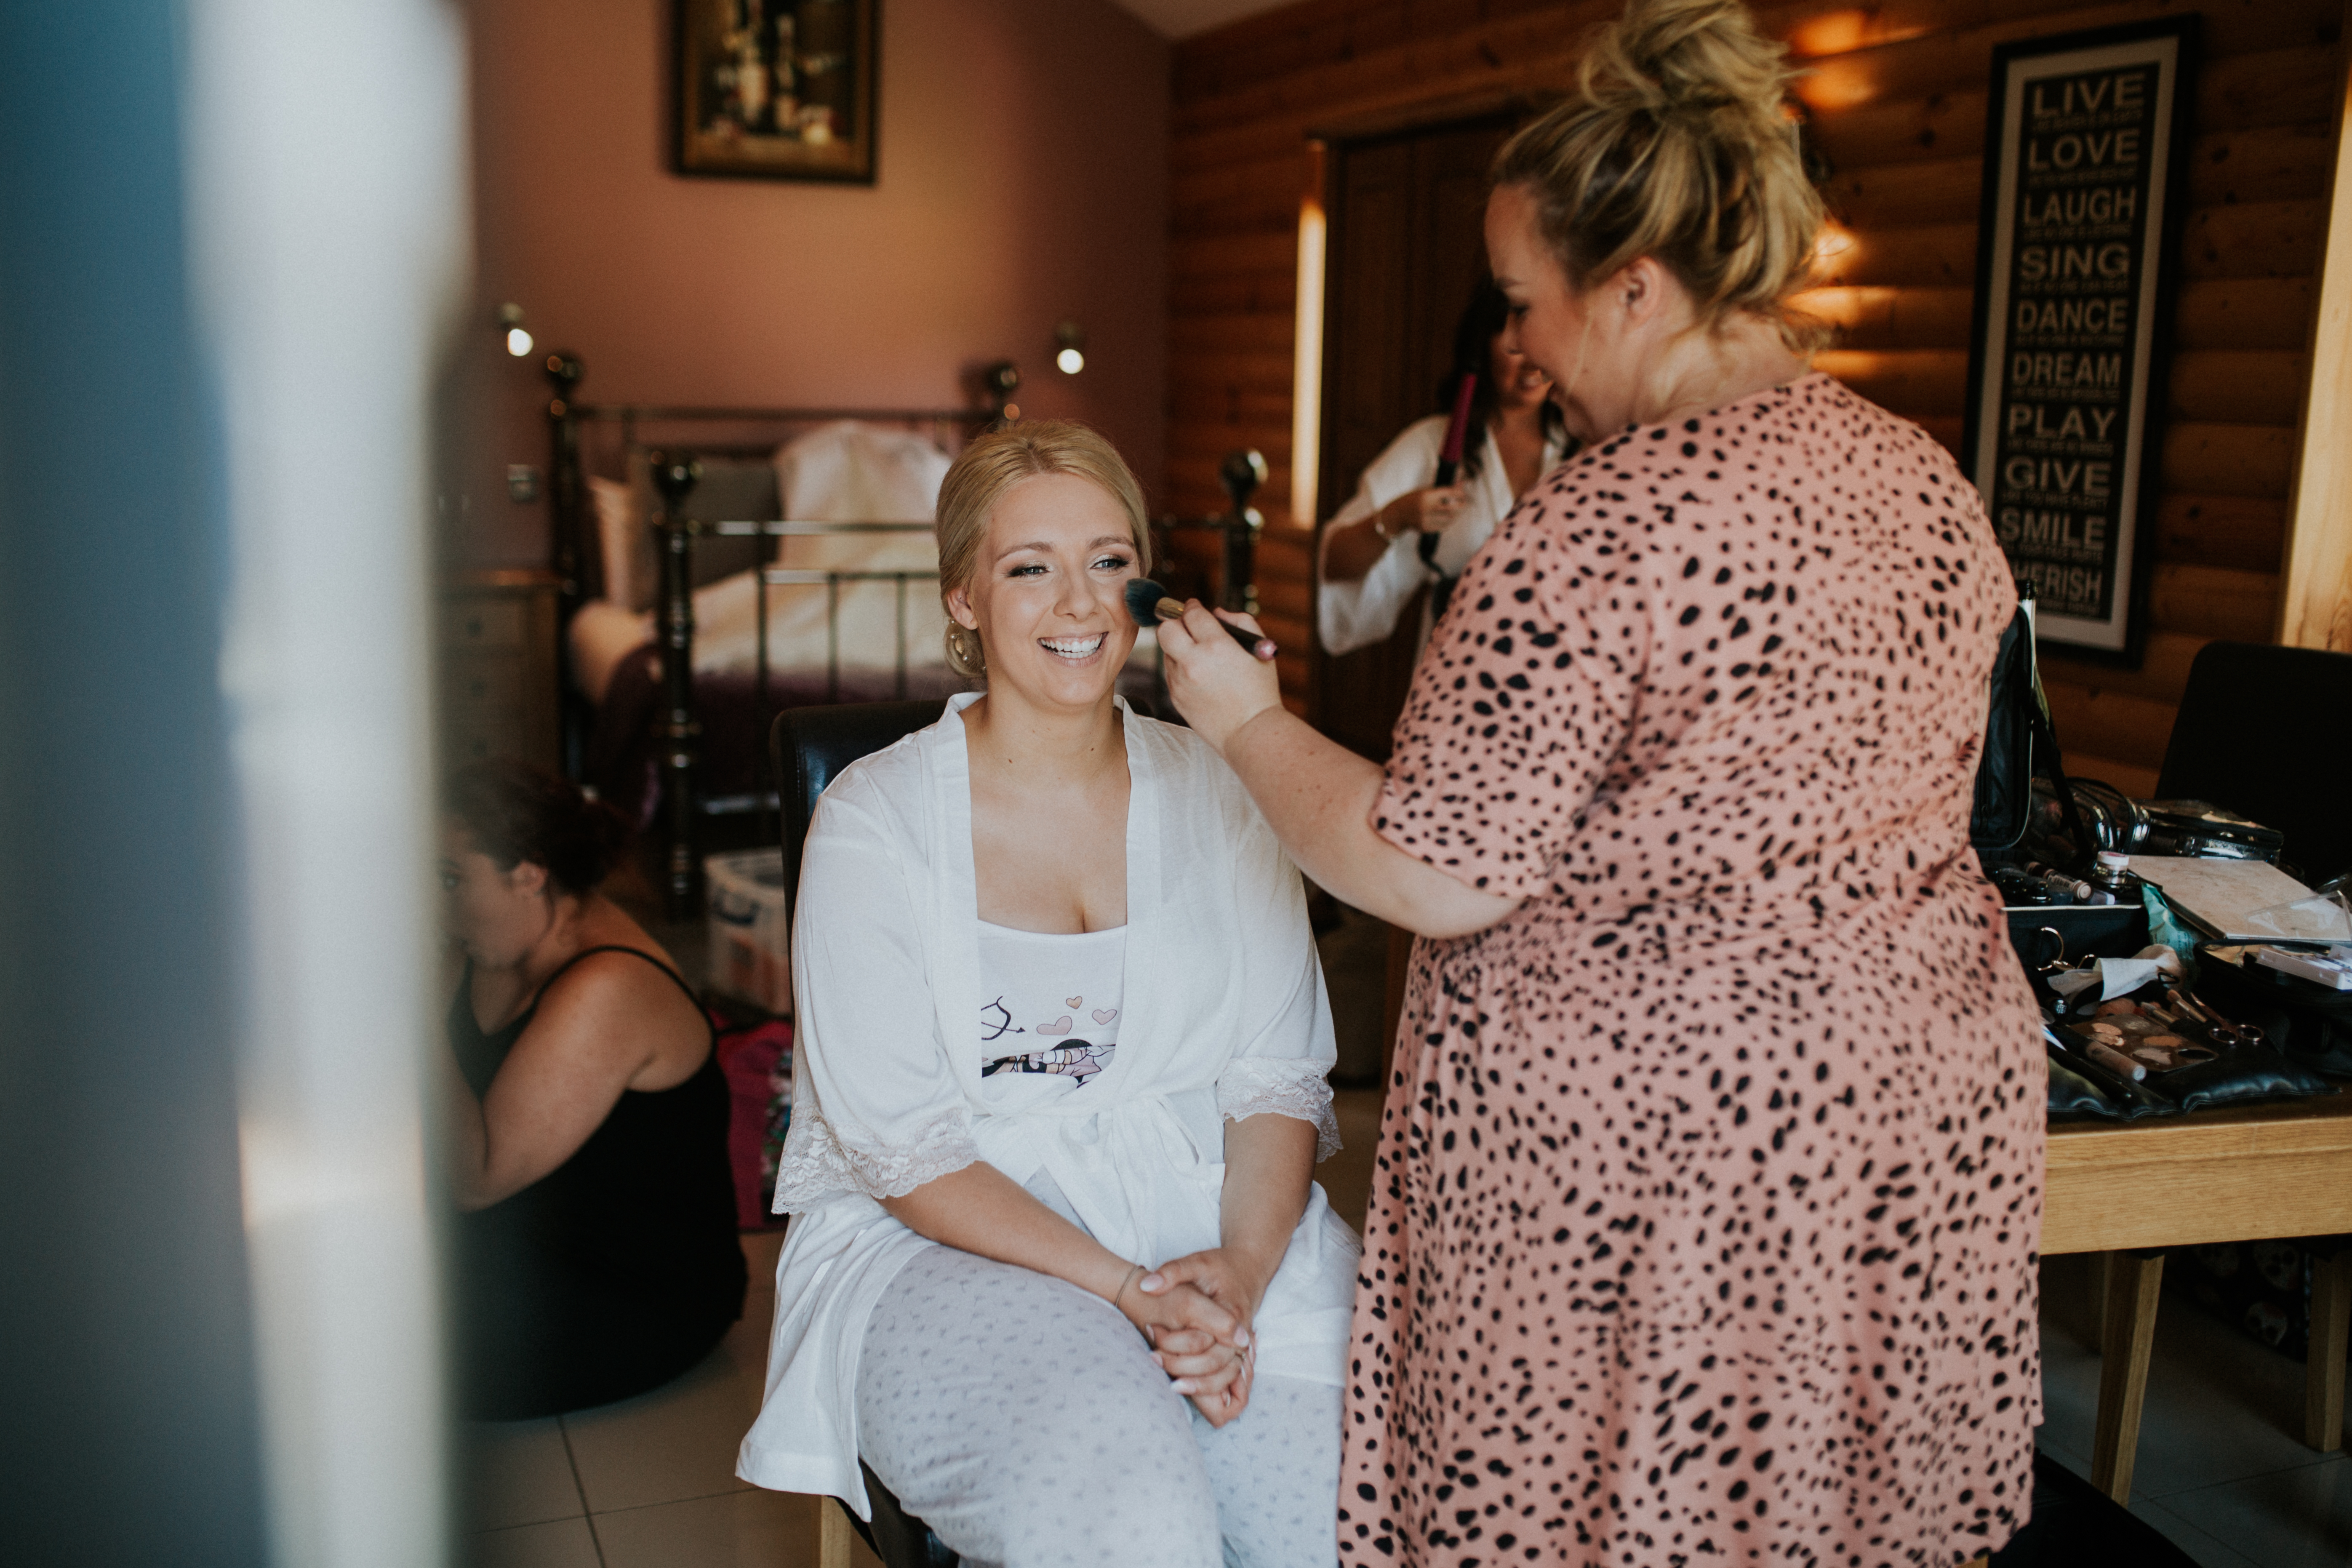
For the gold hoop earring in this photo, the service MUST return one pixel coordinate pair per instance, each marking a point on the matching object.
(966, 642)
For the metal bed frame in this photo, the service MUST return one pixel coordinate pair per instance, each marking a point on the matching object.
(676, 471)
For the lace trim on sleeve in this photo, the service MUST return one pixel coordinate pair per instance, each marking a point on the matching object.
(1255, 1086)
(817, 1164)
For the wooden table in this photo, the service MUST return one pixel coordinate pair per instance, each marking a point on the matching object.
(2268, 1171)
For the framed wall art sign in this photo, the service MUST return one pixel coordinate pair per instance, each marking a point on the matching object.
(780, 89)
(2086, 153)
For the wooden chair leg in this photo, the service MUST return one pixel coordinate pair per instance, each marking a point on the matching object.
(834, 1534)
(2323, 1373)
(2127, 1335)
(2102, 1274)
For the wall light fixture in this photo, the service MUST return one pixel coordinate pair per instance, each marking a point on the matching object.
(517, 340)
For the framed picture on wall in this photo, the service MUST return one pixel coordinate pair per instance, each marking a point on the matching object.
(2087, 153)
(778, 89)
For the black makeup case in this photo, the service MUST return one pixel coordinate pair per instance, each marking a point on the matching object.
(2238, 1073)
(2310, 1022)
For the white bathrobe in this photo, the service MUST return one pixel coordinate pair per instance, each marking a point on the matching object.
(1349, 616)
(1224, 1016)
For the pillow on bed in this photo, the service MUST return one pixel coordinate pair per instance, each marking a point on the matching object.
(851, 472)
(731, 490)
(625, 545)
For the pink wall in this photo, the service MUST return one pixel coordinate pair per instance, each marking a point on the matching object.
(1024, 156)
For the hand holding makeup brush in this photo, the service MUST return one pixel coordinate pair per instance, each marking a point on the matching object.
(1150, 603)
(1217, 685)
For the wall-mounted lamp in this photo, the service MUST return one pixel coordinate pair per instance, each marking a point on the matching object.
(998, 382)
(1070, 345)
(517, 340)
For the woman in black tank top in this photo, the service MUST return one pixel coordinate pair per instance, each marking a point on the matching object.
(596, 1255)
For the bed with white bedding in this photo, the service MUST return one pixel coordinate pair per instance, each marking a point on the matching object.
(848, 582)
(811, 577)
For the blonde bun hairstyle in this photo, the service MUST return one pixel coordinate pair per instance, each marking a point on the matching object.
(992, 465)
(1678, 144)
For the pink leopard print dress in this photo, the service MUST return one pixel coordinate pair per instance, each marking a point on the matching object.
(1710, 1181)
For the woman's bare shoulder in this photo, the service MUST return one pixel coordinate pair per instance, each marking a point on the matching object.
(617, 959)
(618, 1002)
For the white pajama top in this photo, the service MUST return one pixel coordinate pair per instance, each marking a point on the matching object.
(1222, 1015)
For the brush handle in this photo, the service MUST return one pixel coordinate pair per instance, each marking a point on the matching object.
(1173, 610)
(1457, 431)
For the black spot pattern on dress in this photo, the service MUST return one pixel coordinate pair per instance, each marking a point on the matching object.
(1709, 1183)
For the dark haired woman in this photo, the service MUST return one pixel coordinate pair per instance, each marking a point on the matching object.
(588, 1117)
(1403, 529)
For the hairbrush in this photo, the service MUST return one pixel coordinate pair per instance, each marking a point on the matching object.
(1148, 603)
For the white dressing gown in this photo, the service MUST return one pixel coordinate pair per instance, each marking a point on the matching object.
(1223, 1017)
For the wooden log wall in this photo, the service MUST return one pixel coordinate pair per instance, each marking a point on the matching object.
(1896, 97)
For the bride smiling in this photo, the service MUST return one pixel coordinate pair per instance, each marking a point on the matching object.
(1060, 1091)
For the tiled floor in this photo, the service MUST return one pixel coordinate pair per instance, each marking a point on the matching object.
(2221, 1470)
(649, 1482)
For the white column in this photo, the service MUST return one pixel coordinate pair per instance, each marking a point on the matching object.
(329, 238)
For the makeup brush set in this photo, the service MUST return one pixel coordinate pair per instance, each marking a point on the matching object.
(2130, 1037)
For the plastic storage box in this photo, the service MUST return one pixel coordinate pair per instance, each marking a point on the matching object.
(751, 939)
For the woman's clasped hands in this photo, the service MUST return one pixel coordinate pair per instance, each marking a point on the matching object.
(1196, 1310)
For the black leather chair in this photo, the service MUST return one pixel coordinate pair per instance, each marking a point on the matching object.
(808, 748)
(2261, 731)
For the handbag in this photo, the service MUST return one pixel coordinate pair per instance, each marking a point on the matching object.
(2021, 745)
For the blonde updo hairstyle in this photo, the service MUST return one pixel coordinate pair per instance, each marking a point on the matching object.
(1676, 145)
(991, 465)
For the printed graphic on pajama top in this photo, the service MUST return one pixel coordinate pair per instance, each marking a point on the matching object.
(1053, 1001)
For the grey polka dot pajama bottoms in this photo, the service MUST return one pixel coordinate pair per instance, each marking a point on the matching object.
(1021, 1417)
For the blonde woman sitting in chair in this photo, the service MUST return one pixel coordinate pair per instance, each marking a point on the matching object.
(1058, 1270)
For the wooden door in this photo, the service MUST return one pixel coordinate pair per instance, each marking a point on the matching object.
(1406, 252)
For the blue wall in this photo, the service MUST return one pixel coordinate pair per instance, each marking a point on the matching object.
(128, 1425)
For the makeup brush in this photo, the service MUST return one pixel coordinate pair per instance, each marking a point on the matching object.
(1148, 603)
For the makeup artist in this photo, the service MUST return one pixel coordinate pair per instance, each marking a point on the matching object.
(1435, 493)
(1713, 1148)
